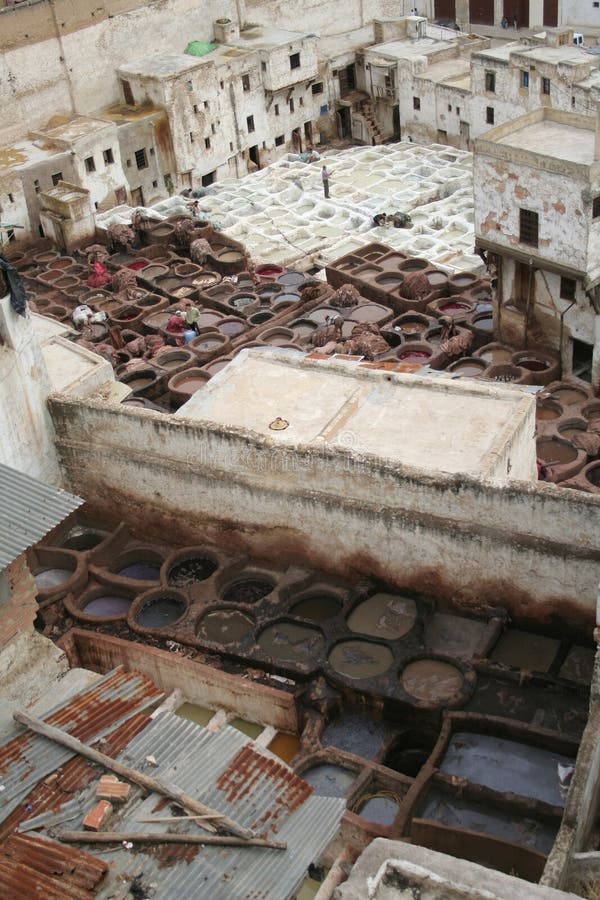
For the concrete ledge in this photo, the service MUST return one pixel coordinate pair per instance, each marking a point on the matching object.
(394, 869)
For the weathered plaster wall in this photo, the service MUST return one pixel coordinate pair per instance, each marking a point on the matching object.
(26, 432)
(60, 73)
(505, 182)
(18, 603)
(533, 549)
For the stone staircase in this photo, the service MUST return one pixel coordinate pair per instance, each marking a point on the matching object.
(373, 130)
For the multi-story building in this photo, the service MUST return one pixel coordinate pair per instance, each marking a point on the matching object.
(432, 84)
(537, 215)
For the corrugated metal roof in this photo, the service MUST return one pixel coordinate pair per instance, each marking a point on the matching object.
(34, 866)
(26, 758)
(30, 509)
(226, 772)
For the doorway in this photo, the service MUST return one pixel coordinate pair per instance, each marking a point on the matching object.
(254, 155)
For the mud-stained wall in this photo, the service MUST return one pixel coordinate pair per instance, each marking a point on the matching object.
(198, 683)
(532, 549)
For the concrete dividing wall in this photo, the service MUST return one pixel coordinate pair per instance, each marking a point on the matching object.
(530, 548)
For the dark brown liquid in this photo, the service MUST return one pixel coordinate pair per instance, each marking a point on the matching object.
(431, 679)
(553, 451)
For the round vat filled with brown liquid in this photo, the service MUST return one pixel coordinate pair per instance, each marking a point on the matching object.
(432, 680)
(291, 642)
(317, 607)
(386, 616)
(360, 659)
(567, 395)
(224, 626)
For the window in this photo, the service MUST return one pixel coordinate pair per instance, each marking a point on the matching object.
(458, 110)
(108, 157)
(263, 66)
(573, 102)
(191, 139)
(128, 163)
(58, 176)
(324, 110)
(90, 165)
(127, 93)
(291, 104)
(490, 82)
(416, 103)
(595, 4)
(36, 185)
(317, 88)
(168, 182)
(207, 143)
(546, 86)
(528, 227)
(213, 128)
(246, 82)
(277, 109)
(449, 107)
(151, 151)
(206, 104)
(279, 140)
(189, 85)
(250, 124)
(489, 115)
(596, 207)
(231, 146)
(10, 235)
(524, 78)
(208, 179)
(222, 84)
(10, 197)
(141, 160)
(195, 107)
(567, 288)
(295, 61)
(301, 101)
(155, 184)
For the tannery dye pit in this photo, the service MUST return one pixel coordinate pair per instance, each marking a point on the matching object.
(419, 716)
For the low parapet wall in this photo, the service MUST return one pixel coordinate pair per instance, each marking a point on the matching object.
(532, 549)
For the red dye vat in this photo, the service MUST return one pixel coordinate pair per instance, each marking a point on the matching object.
(414, 354)
(138, 264)
(453, 307)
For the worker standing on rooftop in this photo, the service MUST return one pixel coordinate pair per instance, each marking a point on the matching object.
(325, 177)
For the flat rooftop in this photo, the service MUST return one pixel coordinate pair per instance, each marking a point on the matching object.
(561, 140)
(428, 424)
(263, 37)
(163, 65)
(408, 48)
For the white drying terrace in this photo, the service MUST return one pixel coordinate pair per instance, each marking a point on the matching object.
(281, 215)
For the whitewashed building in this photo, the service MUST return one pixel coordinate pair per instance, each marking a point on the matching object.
(537, 215)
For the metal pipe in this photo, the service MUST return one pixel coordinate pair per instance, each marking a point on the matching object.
(527, 308)
(562, 326)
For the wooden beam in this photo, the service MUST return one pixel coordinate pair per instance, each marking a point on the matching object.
(142, 837)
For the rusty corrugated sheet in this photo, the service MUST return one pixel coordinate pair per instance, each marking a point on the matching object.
(37, 867)
(30, 509)
(27, 758)
(225, 771)
(71, 780)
